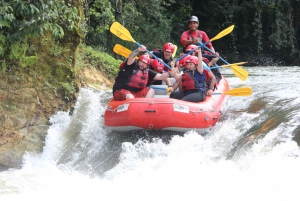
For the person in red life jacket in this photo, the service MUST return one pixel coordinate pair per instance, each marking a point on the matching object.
(192, 83)
(193, 35)
(158, 67)
(165, 54)
(206, 55)
(191, 47)
(182, 63)
(209, 59)
(131, 81)
(215, 71)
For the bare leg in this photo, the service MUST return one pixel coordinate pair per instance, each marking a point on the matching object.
(150, 93)
(129, 96)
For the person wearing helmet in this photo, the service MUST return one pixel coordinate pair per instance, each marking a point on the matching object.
(193, 82)
(208, 58)
(158, 66)
(165, 54)
(191, 47)
(193, 35)
(133, 77)
(182, 63)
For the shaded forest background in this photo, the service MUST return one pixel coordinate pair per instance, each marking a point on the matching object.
(266, 31)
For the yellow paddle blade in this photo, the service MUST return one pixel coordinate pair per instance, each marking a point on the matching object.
(223, 33)
(239, 72)
(174, 53)
(117, 29)
(246, 91)
(123, 51)
(234, 64)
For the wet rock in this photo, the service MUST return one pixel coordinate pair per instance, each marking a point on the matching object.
(256, 106)
(296, 134)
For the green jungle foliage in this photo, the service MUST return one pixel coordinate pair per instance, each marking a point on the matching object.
(263, 28)
(21, 20)
(105, 63)
(34, 41)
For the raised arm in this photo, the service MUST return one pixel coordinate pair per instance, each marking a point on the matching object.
(199, 66)
(134, 53)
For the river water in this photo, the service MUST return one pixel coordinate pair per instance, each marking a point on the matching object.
(251, 153)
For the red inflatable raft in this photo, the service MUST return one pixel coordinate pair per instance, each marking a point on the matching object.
(164, 113)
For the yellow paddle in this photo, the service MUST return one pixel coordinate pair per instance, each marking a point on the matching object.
(174, 53)
(246, 91)
(123, 51)
(223, 33)
(117, 29)
(240, 63)
(218, 36)
(237, 70)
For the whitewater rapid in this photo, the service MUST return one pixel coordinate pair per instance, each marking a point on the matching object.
(249, 155)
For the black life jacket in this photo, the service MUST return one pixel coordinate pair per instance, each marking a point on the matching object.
(217, 74)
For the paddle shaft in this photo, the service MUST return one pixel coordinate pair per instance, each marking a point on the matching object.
(190, 52)
(214, 53)
(232, 92)
(218, 36)
(120, 31)
(154, 56)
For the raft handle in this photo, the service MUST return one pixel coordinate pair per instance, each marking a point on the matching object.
(150, 111)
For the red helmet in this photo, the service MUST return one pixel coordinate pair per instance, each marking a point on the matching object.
(208, 52)
(145, 58)
(205, 60)
(182, 62)
(190, 48)
(157, 65)
(168, 47)
(192, 59)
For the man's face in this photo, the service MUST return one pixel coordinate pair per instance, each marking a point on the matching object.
(193, 25)
(142, 65)
(167, 55)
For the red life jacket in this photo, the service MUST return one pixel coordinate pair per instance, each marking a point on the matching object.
(122, 64)
(193, 80)
(138, 79)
